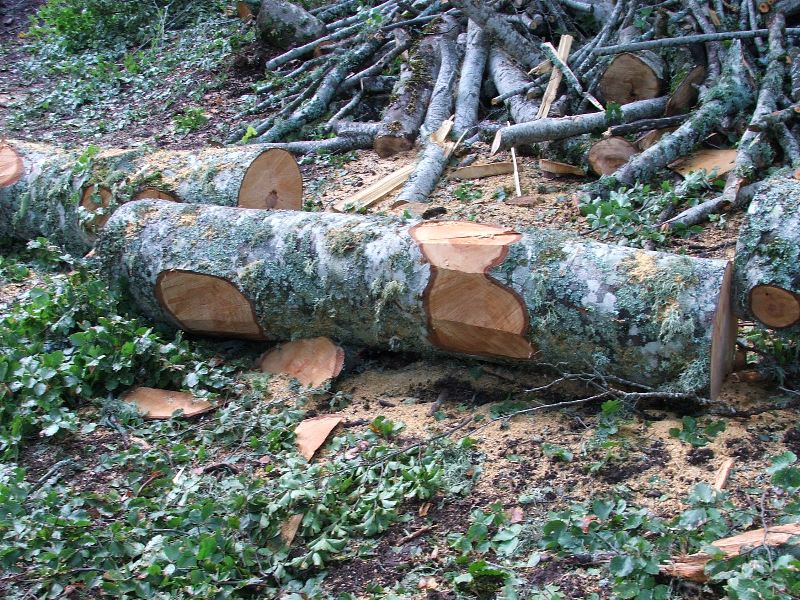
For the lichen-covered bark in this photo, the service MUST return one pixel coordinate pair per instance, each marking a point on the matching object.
(284, 24)
(45, 201)
(508, 77)
(644, 316)
(768, 249)
(469, 83)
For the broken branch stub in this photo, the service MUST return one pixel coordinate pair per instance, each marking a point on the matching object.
(454, 288)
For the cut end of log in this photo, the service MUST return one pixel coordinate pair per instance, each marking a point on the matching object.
(629, 78)
(273, 181)
(608, 155)
(774, 306)
(312, 362)
(154, 403)
(90, 204)
(11, 166)
(685, 95)
(389, 145)
(468, 311)
(207, 305)
(723, 340)
(152, 193)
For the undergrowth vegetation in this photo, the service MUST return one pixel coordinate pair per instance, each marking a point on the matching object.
(88, 56)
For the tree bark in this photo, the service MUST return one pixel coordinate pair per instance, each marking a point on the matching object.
(458, 288)
(768, 257)
(469, 84)
(284, 24)
(508, 77)
(58, 190)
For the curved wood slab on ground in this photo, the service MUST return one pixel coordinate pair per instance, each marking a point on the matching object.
(310, 434)
(312, 362)
(207, 305)
(10, 165)
(154, 403)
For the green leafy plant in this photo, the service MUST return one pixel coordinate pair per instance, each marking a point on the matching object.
(557, 452)
(695, 434)
(466, 192)
(192, 119)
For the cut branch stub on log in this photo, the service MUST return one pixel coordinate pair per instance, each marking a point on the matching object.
(10, 165)
(652, 318)
(608, 155)
(206, 304)
(154, 403)
(312, 362)
(768, 256)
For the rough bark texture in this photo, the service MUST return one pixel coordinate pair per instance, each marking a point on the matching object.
(469, 83)
(768, 256)
(283, 24)
(508, 77)
(47, 200)
(645, 316)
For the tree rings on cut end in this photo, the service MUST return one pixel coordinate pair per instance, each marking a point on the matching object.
(154, 403)
(468, 311)
(629, 78)
(207, 305)
(312, 362)
(272, 181)
(608, 155)
(89, 202)
(11, 166)
(723, 337)
(775, 306)
(154, 194)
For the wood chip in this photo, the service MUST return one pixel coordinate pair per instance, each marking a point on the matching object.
(526, 201)
(376, 191)
(312, 362)
(721, 478)
(290, 527)
(479, 171)
(310, 434)
(559, 168)
(161, 404)
(707, 159)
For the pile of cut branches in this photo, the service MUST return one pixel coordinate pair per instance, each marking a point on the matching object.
(625, 89)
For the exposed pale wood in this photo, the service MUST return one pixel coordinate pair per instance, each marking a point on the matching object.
(651, 138)
(272, 180)
(608, 155)
(692, 567)
(312, 362)
(685, 95)
(564, 46)
(310, 434)
(90, 202)
(723, 338)
(479, 171)
(290, 527)
(706, 159)
(724, 472)
(151, 192)
(375, 192)
(154, 403)
(10, 165)
(775, 306)
(206, 304)
(469, 312)
(629, 78)
(558, 168)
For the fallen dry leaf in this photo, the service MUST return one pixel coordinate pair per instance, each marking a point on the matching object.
(290, 527)
(515, 515)
(310, 434)
(427, 583)
(423, 509)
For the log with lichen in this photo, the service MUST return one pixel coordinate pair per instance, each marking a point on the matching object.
(767, 263)
(432, 287)
(66, 196)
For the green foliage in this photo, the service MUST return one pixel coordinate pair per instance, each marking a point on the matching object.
(466, 192)
(557, 452)
(695, 434)
(69, 342)
(12, 271)
(775, 354)
(192, 119)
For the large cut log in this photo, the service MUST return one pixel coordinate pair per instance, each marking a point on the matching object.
(404, 115)
(508, 77)
(66, 197)
(284, 24)
(768, 257)
(433, 287)
(630, 77)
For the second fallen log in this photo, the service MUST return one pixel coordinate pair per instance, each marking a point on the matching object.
(457, 288)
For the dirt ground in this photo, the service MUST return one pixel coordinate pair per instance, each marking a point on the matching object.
(655, 469)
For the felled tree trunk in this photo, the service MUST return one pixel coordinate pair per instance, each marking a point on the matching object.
(403, 117)
(433, 287)
(66, 197)
(632, 76)
(284, 24)
(768, 257)
(470, 79)
(508, 77)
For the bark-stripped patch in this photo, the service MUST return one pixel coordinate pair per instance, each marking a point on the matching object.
(207, 305)
(11, 166)
(468, 311)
